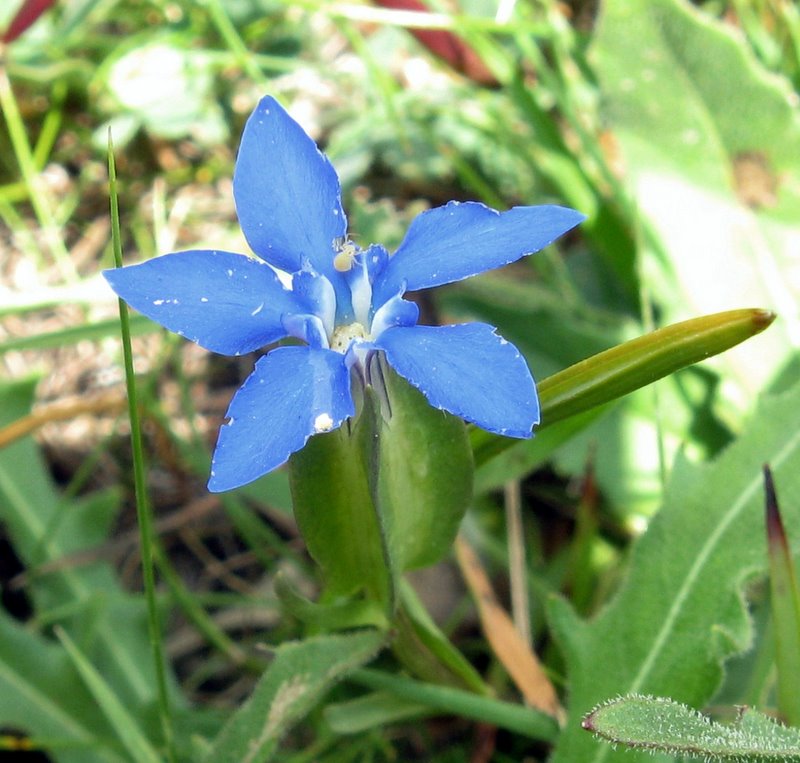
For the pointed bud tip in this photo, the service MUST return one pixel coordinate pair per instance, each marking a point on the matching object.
(775, 529)
(763, 318)
(588, 721)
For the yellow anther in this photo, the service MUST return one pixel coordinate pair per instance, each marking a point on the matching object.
(344, 335)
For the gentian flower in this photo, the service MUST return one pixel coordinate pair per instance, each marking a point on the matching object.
(344, 302)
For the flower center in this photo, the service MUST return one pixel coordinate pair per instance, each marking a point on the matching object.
(344, 335)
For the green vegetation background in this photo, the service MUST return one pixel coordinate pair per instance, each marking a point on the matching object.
(674, 127)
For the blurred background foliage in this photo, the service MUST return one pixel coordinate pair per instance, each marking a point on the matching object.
(674, 126)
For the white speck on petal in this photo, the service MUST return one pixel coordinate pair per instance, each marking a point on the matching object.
(158, 301)
(230, 273)
(323, 423)
(258, 309)
(204, 299)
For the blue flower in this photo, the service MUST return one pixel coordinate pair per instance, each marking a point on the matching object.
(344, 302)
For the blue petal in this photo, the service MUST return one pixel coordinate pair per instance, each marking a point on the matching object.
(468, 370)
(308, 328)
(456, 241)
(227, 303)
(293, 393)
(318, 293)
(394, 312)
(287, 193)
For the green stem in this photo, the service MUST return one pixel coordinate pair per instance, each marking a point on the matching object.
(521, 720)
(143, 509)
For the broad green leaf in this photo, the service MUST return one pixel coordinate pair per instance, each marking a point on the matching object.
(661, 724)
(45, 530)
(42, 695)
(124, 723)
(424, 468)
(711, 147)
(295, 682)
(384, 493)
(337, 518)
(679, 612)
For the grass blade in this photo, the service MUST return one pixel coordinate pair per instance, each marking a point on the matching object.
(143, 510)
(785, 606)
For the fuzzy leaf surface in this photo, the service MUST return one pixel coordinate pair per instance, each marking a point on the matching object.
(680, 610)
(658, 723)
(297, 679)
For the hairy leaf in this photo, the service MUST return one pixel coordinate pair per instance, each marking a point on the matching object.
(680, 612)
(296, 680)
(658, 723)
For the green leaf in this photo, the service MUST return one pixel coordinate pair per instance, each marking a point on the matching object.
(641, 361)
(498, 460)
(422, 648)
(41, 694)
(335, 512)
(297, 679)
(424, 468)
(338, 615)
(570, 400)
(679, 613)
(91, 332)
(711, 146)
(385, 493)
(44, 529)
(660, 724)
(124, 723)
